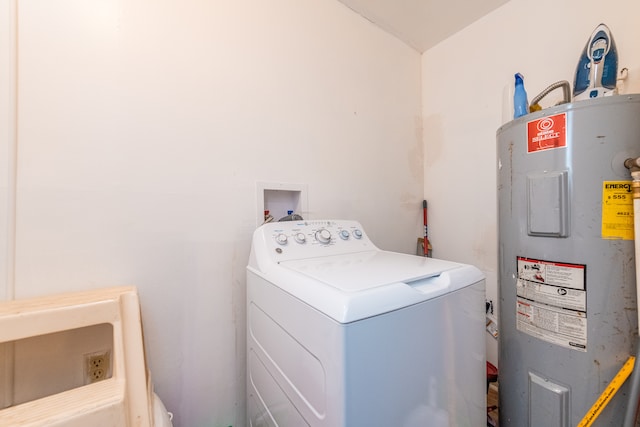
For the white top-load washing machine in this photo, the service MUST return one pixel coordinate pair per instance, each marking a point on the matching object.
(343, 334)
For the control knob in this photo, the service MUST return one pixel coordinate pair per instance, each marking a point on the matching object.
(323, 236)
(281, 239)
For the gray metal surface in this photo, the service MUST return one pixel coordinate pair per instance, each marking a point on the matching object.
(550, 210)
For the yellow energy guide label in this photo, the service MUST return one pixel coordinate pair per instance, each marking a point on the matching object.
(617, 210)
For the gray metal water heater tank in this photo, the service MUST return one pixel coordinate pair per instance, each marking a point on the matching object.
(567, 315)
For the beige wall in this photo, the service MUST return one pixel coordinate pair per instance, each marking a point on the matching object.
(143, 127)
(467, 85)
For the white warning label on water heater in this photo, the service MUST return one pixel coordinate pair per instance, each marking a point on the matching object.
(551, 302)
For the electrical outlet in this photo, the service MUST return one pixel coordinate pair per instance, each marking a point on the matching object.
(97, 366)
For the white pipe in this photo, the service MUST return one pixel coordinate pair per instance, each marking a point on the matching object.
(636, 229)
(12, 150)
(631, 411)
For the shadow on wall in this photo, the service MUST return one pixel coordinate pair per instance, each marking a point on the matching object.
(433, 139)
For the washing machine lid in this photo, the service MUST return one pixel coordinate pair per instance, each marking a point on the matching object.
(359, 272)
(354, 286)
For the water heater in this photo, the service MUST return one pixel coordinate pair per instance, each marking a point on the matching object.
(568, 318)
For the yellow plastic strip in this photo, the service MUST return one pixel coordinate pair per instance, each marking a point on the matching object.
(608, 393)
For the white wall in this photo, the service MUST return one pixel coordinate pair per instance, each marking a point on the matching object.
(143, 128)
(466, 87)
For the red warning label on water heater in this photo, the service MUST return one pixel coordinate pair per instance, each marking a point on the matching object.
(547, 133)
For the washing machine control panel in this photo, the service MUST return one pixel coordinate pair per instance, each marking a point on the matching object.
(304, 239)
